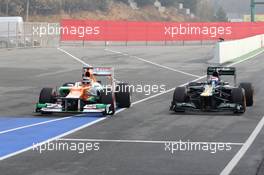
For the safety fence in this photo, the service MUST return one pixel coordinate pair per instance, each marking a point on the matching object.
(89, 30)
(24, 35)
(121, 33)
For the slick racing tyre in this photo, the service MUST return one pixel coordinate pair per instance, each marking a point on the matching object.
(47, 96)
(238, 97)
(180, 95)
(106, 97)
(249, 93)
(122, 95)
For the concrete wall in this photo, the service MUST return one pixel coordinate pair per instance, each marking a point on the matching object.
(229, 50)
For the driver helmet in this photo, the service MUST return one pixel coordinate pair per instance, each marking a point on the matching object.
(215, 78)
(215, 74)
(86, 81)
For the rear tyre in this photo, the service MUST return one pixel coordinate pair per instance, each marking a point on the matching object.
(249, 93)
(238, 97)
(122, 95)
(106, 97)
(47, 95)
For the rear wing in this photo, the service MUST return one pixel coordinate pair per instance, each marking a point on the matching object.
(221, 70)
(98, 71)
(103, 71)
(104, 75)
(229, 71)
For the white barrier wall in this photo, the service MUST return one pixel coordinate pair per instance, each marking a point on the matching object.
(229, 50)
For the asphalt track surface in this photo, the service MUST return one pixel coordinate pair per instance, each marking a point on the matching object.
(24, 72)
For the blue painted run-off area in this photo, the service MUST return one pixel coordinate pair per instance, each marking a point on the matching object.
(14, 141)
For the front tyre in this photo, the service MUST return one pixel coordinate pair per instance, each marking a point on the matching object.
(47, 95)
(179, 96)
(249, 93)
(239, 98)
(106, 97)
(122, 95)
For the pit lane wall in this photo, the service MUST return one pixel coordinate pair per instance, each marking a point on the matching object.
(226, 51)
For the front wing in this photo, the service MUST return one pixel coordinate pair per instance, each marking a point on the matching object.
(181, 107)
(58, 108)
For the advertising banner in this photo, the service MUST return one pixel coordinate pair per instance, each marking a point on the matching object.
(89, 30)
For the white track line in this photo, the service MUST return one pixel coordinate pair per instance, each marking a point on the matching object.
(35, 124)
(140, 101)
(166, 67)
(74, 130)
(40, 123)
(142, 141)
(74, 57)
(165, 92)
(54, 73)
(231, 165)
(252, 56)
(51, 139)
(96, 121)
(228, 169)
(155, 64)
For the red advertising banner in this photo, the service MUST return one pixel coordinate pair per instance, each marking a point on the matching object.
(90, 30)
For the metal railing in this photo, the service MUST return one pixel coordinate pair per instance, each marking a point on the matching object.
(31, 34)
(24, 35)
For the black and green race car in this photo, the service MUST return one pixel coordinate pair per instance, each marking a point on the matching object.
(214, 94)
